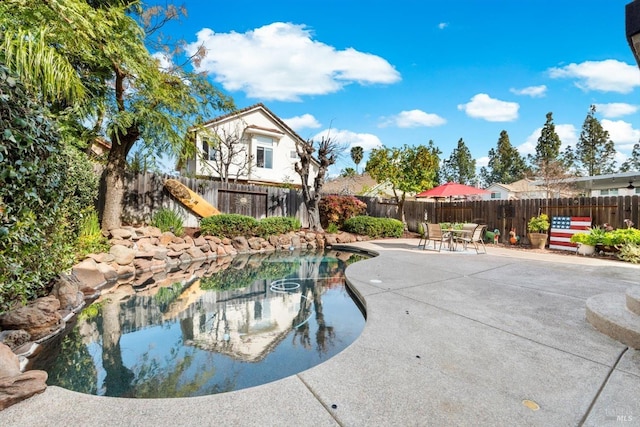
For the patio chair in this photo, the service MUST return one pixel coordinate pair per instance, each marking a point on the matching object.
(424, 235)
(476, 239)
(435, 235)
(465, 238)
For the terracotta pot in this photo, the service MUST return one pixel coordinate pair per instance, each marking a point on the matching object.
(538, 240)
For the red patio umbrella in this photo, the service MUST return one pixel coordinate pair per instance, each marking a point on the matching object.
(451, 189)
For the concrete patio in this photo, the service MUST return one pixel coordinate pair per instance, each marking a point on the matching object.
(451, 339)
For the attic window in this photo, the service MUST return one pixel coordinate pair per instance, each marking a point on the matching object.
(496, 195)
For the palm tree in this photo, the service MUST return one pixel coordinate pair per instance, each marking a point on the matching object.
(356, 155)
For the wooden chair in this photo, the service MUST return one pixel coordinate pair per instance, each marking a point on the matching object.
(435, 235)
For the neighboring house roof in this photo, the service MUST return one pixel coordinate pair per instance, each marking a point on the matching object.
(524, 188)
(357, 185)
(612, 180)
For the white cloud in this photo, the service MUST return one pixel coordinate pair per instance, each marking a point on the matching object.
(621, 133)
(616, 109)
(412, 119)
(482, 106)
(482, 162)
(443, 25)
(281, 61)
(305, 121)
(532, 91)
(567, 133)
(350, 139)
(606, 76)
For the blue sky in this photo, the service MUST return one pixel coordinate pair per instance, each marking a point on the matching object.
(387, 73)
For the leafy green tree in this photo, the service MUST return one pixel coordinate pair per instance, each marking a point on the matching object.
(595, 152)
(633, 162)
(114, 87)
(506, 165)
(356, 155)
(460, 166)
(406, 169)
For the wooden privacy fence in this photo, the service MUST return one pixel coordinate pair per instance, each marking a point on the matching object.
(145, 195)
(506, 214)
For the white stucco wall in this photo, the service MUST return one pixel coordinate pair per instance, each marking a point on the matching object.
(284, 143)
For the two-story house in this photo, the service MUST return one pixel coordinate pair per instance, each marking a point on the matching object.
(250, 145)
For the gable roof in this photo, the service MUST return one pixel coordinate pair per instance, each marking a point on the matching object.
(259, 106)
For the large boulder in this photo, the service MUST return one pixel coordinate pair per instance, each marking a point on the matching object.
(89, 274)
(240, 244)
(67, 290)
(122, 255)
(40, 318)
(9, 362)
(17, 388)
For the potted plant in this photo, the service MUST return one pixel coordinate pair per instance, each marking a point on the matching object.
(586, 242)
(538, 226)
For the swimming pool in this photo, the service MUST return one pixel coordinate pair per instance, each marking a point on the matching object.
(260, 318)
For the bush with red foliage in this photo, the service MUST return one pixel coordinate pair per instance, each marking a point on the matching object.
(337, 209)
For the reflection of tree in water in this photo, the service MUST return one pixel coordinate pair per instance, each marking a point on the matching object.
(73, 369)
(155, 380)
(316, 270)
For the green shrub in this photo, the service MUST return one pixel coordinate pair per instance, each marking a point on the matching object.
(332, 228)
(168, 220)
(277, 225)
(41, 193)
(629, 252)
(228, 225)
(621, 236)
(90, 238)
(594, 236)
(337, 209)
(374, 227)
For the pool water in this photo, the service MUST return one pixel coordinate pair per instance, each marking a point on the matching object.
(262, 318)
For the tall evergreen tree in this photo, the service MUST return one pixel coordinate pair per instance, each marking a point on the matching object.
(548, 147)
(548, 166)
(356, 155)
(460, 166)
(595, 152)
(506, 165)
(633, 162)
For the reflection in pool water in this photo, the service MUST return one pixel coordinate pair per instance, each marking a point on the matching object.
(264, 317)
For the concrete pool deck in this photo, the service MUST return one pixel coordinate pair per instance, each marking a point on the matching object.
(451, 339)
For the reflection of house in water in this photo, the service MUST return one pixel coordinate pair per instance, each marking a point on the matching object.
(244, 328)
(243, 323)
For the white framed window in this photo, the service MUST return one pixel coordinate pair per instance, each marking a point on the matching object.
(264, 152)
(637, 190)
(264, 158)
(496, 195)
(294, 154)
(609, 192)
(210, 153)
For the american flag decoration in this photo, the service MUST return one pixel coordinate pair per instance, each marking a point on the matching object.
(563, 227)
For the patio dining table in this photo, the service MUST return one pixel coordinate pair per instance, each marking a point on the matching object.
(456, 232)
